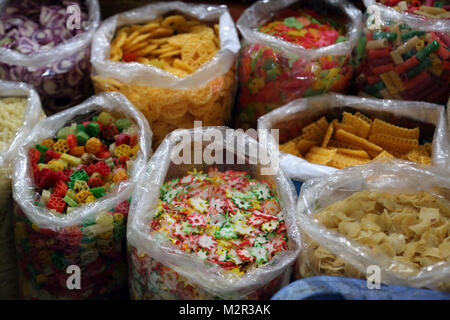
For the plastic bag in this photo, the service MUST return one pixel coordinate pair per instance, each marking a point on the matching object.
(33, 110)
(273, 72)
(91, 236)
(421, 19)
(159, 271)
(356, 259)
(403, 58)
(301, 112)
(59, 75)
(167, 101)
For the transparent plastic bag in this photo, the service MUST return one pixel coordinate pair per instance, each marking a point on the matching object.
(403, 58)
(354, 259)
(59, 75)
(91, 236)
(273, 72)
(409, 14)
(170, 102)
(161, 271)
(33, 110)
(290, 119)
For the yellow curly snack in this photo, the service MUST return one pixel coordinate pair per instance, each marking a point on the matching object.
(350, 138)
(341, 161)
(320, 155)
(394, 143)
(380, 126)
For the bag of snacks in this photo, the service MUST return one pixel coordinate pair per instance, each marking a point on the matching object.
(322, 134)
(403, 58)
(46, 43)
(387, 220)
(207, 231)
(174, 61)
(419, 10)
(289, 53)
(20, 109)
(72, 182)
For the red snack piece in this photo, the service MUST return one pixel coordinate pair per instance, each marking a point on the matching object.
(71, 140)
(110, 131)
(129, 57)
(94, 182)
(53, 154)
(46, 178)
(60, 189)
(103, 168)
(91, 168)
(122, 138)
(122, 207)
(103, 154)
(122, 161)
(133, 141)
(34, 155)
(62, 176)
(56, 203)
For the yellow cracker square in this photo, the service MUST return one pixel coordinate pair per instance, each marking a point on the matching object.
(328, 135)
(347, 137)
(339, 144)
(341, 161)
(384, 154)
(383, 127)
(291, 147)
(303, 145)
(320, 155)
(337, 125)
(390, 142)
(354, 153)
(360, 125)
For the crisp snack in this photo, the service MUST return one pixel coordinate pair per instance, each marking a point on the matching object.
(412, 229)
(357, 140)
(11, 119)
(174, 43)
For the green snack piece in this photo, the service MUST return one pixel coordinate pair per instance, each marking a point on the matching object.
(70, 184)
(82, 138)
(64, 132)
(123, 124)
(70, 201)
(292, 22)
(41, 148)
(429, 49)
(79, 175)
(438, 4)
(374, 88)
(105, 118)
(58, 261)
(341, 39)
(409, 54)
(98, 192)
(119, 232)
(80, 127)
(92, 129)
(379, 34)
(95, 118)
(411, 73)
(407, 35)
(110, 163)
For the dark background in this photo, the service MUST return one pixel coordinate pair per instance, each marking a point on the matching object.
(111, 7)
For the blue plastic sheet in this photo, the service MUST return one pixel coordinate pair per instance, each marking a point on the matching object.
(340, 288)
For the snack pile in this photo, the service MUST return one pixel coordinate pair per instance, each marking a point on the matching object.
(431, 9)
(180, 46)
(174, 43)
(269, 78)
(357, 139)
(401, 63)
(83, 162)
(225, 219)
(32, 27)
(96, 246)
(410, 228)
(12, 111)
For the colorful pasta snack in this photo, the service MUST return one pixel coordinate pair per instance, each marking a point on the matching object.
(79, 213)
(42, 43)
(227, 227)
(174, 61)
(289, 53)
(404, 60)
